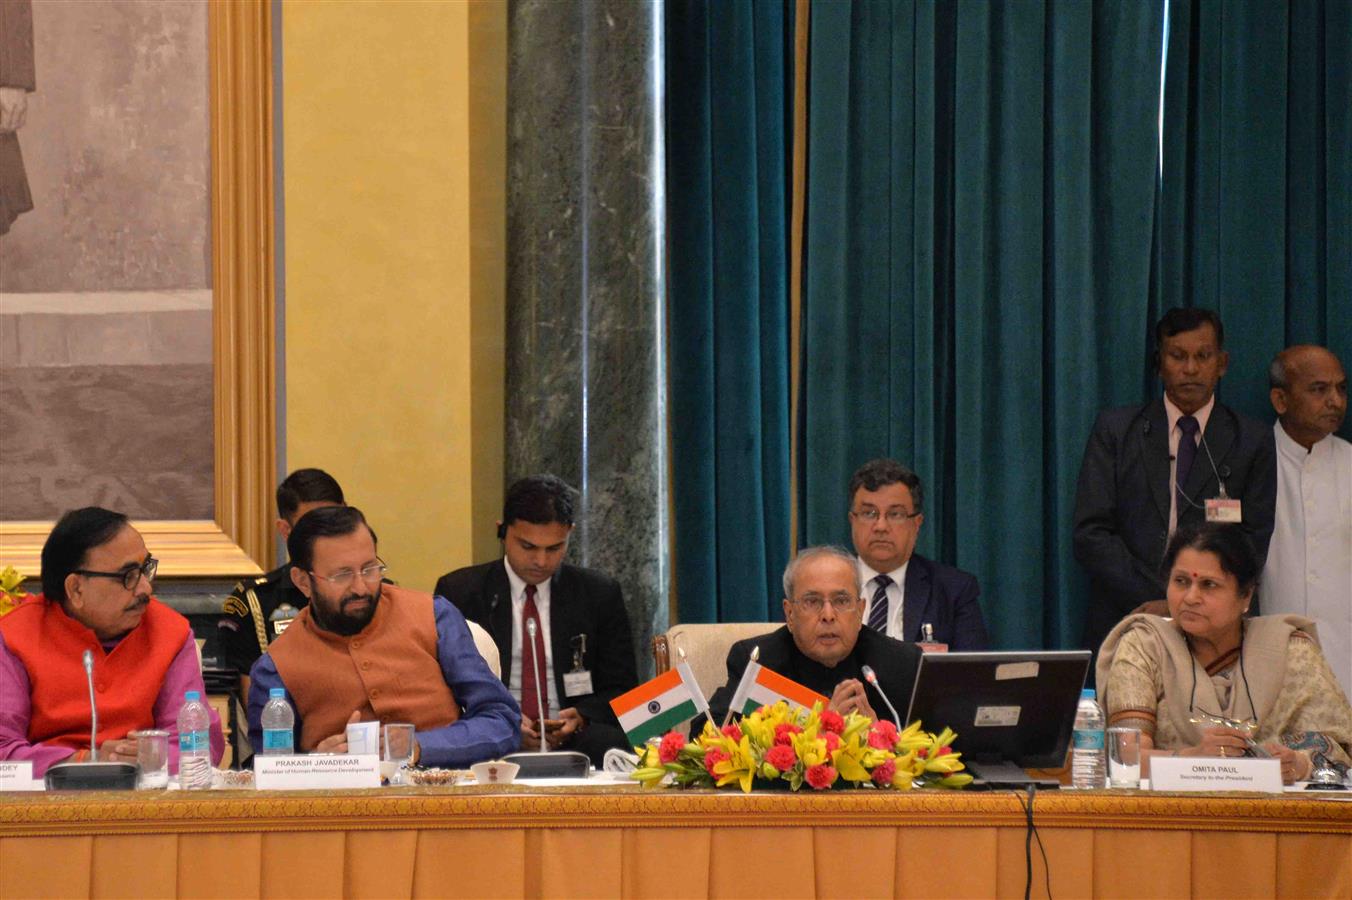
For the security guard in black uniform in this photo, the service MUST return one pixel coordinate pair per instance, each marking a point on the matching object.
(260, 609)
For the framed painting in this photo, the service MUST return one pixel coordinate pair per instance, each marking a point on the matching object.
(187, 343)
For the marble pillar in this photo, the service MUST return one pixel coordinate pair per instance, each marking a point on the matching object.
(585, 292)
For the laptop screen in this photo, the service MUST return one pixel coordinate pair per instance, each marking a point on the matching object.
(1010, 706)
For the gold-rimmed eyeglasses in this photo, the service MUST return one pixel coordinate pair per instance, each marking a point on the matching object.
(344, 578)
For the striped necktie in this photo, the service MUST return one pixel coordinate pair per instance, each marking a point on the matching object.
(877, 610)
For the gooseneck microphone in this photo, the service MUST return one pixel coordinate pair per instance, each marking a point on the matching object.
(545, 763)
(92, 775)
(93, 707)
(872, 678)
(531, 631)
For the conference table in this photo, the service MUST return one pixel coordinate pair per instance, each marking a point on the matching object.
(609, 841)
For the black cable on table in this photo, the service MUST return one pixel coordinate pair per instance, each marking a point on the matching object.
(1032, 833)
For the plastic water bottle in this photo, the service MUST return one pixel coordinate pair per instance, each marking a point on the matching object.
(279, 725)
(194, 743)
(1088, 765)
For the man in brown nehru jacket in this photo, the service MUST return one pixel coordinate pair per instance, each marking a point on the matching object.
(363, 650)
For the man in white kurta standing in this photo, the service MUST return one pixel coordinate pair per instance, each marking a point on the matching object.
(1309, 563)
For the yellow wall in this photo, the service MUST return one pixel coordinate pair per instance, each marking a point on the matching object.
(394, 147)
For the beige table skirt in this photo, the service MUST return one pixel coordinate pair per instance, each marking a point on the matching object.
(513, 842)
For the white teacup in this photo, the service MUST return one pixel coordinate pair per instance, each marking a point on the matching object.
(495, 772)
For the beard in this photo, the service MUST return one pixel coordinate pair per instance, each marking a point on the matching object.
(333, 615)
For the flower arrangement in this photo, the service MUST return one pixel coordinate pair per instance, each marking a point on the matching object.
(820, 748)
(10, 595)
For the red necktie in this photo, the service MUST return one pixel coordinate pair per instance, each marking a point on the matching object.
(530, 652)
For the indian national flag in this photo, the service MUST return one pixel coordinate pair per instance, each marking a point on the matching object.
(763, 687)
(657, 706)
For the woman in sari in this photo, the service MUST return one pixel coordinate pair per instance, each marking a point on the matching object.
(1175, 679)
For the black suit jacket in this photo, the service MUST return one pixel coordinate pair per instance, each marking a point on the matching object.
(894, 662)
(944, 597)
(581, 602)
(1122, 499)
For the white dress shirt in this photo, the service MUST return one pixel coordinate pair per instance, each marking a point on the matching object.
(896, 595)
(1173, 414)
(542, 605)
(1309, 562)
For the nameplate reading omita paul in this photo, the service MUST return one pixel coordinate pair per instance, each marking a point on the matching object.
(316, 771)
(1214, 773)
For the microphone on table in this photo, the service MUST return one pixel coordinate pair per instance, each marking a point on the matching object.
(532, 630)
(545, 763)
(93, 707)
(872, 678)
(92, 775)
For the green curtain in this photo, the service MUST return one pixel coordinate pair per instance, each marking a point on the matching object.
(1256, 213)
(729, 75)
(980, 211)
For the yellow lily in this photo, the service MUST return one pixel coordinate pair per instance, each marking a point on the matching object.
(649, 777)
(810, 749)
(848, 765)
(949, 762)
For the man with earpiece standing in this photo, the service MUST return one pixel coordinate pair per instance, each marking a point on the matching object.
(580, 656)
(1182, 458)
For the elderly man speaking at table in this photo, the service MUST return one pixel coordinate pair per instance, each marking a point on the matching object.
(366, 651)
(822, 645)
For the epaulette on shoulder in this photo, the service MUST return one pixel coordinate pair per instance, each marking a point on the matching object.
(261, 579)
(235, 607)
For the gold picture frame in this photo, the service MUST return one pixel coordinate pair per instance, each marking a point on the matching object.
(238, 541)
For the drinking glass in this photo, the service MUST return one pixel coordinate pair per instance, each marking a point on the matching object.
(1124, 757)
(152, 756)
(396, 751)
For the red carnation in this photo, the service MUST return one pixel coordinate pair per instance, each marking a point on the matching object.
(922, 752)
(782, 757)
(883, 735)
(713, 758)
(672, 744)
(784, 733)
(731, 730)
(884, 772)
(821, 777)
(943, 751)
(832, 721)
(832, 741)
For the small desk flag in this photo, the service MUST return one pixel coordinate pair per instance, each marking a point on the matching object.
(764, 687)
(657, 706)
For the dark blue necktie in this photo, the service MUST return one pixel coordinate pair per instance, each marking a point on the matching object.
(1187, 450)
(877, 611)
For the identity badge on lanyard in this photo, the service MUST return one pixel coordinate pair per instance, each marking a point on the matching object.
(578, 681)
(1224, 509)
(1221, 508)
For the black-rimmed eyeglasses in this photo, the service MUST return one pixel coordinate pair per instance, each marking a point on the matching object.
(129, 575)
